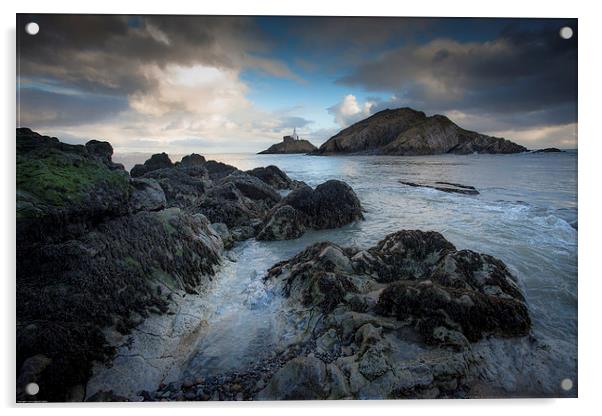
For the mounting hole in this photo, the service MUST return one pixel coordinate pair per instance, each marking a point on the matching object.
(566, 32)
(32, 389)
(32, 28)
(566, 384)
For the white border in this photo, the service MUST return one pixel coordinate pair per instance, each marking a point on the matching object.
(590, 152)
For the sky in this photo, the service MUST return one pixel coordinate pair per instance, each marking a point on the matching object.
(221, 84)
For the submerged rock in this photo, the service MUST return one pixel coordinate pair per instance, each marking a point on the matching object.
(549, 150)
(448, 187)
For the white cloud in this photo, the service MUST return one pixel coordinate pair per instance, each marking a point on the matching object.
(349, 110)
(202, 91)
(189, 106)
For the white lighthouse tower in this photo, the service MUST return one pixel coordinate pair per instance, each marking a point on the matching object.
(295, 136)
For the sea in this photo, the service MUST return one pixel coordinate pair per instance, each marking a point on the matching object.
(525, 214)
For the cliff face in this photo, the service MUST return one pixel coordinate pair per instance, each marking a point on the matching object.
(408, 132)
(294, 146)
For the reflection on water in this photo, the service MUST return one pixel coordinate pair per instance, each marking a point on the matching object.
(523, 216)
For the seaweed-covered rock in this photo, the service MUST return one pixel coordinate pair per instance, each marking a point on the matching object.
(406, 313)
(67, 292)
(104, 152)
(470, 312)
(275, 177)
(253, 187)
(62, 189)
(95, 250)
(183, 187)
(286, 223)
(219, 170)
(156, 161)
(404, 255)
(331, 205)
(147, 195)
(192, 160)
(225, 203)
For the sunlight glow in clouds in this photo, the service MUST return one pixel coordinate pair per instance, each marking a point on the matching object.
(349, 110)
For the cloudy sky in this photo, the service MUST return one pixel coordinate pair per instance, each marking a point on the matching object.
(215, 84)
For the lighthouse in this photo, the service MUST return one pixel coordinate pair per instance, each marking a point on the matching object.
(292, 137)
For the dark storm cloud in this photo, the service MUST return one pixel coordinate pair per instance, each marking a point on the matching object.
(55, 109)
(519, 71)
(105, 53)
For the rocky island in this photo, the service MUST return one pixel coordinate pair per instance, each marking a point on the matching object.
(290, 144)
(109, 264)
(407, 132)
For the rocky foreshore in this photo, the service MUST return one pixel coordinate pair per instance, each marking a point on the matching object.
(111, 266)
(99, 251)
(402, 319)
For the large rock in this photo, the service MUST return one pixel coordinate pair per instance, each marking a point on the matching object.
(286, 223)
(192, 160)
(63, 189)
(96, 250)
(184, 187)
(275, 177)
(405, 314)
(474, 314)
(331, 205)
(156, 161)
(225, 203)
(405, 131)
(253, 187)
(404, 255)
(219, 170)
(147, 195)
(69, 292)
(104, 152)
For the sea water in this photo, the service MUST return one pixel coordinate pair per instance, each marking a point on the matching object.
(525, 214)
